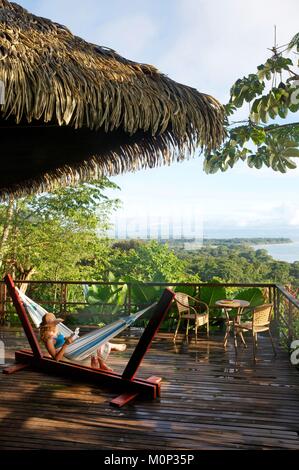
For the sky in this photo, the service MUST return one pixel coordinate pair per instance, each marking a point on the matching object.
(206, 44)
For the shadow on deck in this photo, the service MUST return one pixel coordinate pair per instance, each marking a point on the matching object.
(209, 400)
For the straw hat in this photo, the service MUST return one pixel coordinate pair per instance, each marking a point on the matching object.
(49, 319)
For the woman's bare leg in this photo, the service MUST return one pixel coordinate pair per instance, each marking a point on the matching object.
(118, 347)
(102, 354)
(98, 363)
(103, 365)
(94, 362)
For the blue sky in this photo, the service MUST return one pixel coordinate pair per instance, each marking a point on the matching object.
(207, 44)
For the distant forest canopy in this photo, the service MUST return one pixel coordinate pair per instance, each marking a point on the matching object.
(238, 263)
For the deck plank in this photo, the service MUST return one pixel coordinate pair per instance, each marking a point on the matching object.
(209, 400)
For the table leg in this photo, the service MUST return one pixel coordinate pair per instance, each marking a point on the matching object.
(236, 332)
(235, 338)
(240, 311)
(242, 339)
(226, 335)
(227, 321)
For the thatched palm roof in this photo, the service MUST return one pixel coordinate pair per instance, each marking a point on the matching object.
(74, 110)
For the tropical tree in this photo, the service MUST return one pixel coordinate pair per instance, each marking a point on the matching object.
(56, 235)
(264, 138)
(147, 262)
(238, 263)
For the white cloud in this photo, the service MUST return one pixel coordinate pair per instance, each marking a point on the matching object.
(219, 41)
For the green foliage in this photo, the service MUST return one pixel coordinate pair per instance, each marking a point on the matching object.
(253, 295)
(83, 205)
(56, 235)
(98, 294)
(189, 290)
(104, 302)
(257, 142)
(294, 43)
(210, 295)
(245, 89)
(135, 263)
(238, 264)
(142, 295)
(147, 262)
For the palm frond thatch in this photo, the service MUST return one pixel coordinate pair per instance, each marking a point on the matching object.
(74, 110)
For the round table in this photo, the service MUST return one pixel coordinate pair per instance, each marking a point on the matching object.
(227, 305)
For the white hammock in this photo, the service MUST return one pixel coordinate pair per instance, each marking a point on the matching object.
(84, 346)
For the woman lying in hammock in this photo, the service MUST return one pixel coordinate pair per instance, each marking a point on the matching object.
(56, 343)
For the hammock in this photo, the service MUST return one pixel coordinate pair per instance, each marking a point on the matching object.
(84, 346)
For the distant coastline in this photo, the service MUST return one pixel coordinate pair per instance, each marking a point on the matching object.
(280, 248)
(250, 241)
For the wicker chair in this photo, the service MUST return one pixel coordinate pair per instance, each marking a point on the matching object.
(198, 313)
(261, 319)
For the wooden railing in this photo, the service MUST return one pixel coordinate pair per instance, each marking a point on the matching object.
(65, 297)
(286, 315)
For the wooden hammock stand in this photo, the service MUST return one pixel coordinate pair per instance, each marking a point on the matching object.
(126, 383)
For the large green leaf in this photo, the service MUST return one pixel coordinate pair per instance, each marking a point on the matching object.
(97, 294)
(142, 294)
(189, 290)
(254, 295)
(210, 295)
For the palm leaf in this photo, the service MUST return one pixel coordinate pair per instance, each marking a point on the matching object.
(210, 295)
(254, 295)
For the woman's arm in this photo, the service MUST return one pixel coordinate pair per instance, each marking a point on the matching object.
(57, 354)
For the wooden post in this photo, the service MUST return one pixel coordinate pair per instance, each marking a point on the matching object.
(145, 341)
(270, 295)
(198, 291)
(18, 304)
(276, 312)
(290, 323)
(2, 303)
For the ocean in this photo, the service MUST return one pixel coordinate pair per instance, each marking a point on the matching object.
(281, 251)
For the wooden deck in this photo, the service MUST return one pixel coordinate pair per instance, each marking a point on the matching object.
(209, 401)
